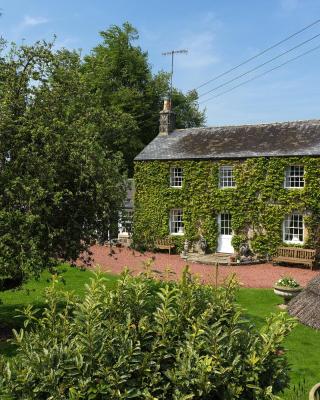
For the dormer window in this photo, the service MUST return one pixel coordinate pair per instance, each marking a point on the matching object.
(176, 175)
(226, 177)
(294, 177)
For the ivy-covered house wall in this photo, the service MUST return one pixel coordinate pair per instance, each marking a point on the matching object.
(258, 204)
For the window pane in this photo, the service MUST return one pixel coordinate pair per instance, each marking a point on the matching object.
(294, 176)
(176, 175)
(293, 228)
(226, 178)
(176, 221)
(225, 224)
(126, 221)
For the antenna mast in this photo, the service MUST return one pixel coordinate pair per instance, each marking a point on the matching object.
(172, 53)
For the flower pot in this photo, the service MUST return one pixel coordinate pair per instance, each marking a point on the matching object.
(315, 392)
(287, 293)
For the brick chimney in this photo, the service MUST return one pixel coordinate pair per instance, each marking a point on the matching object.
(167, 119)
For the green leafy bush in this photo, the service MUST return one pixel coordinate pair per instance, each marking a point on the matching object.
(147, 340)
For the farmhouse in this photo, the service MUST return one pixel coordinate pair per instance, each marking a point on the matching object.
(257, 185)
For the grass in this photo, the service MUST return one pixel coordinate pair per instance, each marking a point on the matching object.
(32, 292)
(303, 345)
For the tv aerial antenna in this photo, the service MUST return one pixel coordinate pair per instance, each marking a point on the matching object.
(172, 54)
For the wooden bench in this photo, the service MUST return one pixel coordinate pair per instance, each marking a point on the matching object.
(164, 244)
(295, 255)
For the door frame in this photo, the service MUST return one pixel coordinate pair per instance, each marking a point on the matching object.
(229, 248)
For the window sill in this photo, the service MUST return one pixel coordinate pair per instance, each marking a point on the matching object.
(294, 187)
(176, 187)
(297, 243)
(176, 233)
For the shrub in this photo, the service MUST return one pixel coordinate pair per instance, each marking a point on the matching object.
(147, 340)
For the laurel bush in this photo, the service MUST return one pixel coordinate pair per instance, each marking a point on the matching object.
(146, 339)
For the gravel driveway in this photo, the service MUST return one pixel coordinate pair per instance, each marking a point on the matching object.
(254, 276)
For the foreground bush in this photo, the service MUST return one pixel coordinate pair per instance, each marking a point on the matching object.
(146, 340)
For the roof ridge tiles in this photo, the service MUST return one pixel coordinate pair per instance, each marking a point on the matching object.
(291, 138)
(251, 125)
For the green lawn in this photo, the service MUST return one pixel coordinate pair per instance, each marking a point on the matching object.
(32, 292)
(303, 344)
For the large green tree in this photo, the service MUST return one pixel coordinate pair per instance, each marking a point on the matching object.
(66, 125)
(59, 185)
(123, 85)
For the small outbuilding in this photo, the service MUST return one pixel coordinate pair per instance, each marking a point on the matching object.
(306, 305)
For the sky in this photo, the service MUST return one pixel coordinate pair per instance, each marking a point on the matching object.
(218, 35)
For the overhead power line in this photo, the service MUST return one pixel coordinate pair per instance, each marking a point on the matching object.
(258, 54)
(259, 66)
(260, 75)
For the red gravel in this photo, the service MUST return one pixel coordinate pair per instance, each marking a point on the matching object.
(254, 276)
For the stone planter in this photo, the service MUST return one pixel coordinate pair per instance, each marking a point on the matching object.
(315, 392)
(287, 293)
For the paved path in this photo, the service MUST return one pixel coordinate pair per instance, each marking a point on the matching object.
(254, 276)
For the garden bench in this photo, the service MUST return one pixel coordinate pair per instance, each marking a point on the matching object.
(164, 244)
(295, 255)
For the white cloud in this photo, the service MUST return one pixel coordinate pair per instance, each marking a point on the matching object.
(201, 52)
(201, 43)
(33, 21)
(27, 22)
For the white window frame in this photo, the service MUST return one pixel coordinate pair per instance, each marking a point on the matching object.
(286, 226)
(126, 221)
(290, 177)
(176, 226)
(226, 179)
(176, 177)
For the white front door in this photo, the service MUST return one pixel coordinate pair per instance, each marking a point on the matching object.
(225, 234)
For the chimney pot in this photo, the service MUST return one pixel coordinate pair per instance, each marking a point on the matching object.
(167, 105)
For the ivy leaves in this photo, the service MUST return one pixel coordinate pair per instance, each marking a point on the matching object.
(258, 204)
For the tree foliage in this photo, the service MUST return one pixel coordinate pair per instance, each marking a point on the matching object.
(68, 127)
(59, 185)
(147, 340)
(122, 82)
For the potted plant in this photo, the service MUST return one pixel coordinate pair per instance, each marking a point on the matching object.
(287, 288)
(315, 392)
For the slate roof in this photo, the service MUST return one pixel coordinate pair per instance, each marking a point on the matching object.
(275, 139)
